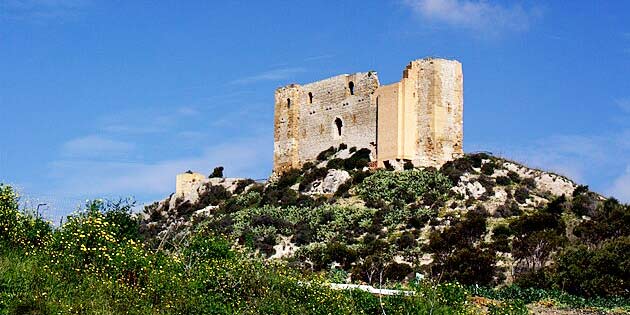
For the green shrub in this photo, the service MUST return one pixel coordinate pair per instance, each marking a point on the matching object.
(521, 194)
(529, 182)
(503, 180)
(405, 186)
(335, 163)
(242, 184)
(313, 175)
(408, 165)
(514, 177)
(324, 155)
(358, 160)
(203, 248)
(513, 307)
(217, 172)
(19, 229)
(610, 219)
(488, 168)
(288, 178)
(212, 195)
(509, 209)
(602, 271)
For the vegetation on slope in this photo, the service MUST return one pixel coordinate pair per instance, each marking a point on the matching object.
(479, 220)
(498, 229)
(96, 263)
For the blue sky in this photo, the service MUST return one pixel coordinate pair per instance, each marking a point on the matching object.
(113, 98)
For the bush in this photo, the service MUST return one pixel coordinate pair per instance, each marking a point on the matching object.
(90, 244)
(488, 168)
(311, 176)
(405, 186)
(503, 180)
(585, 204)
(242, 184)
(324, 155)
(211, 196)
(468, 265)
(19, 229)
(408, 165)
(521, 194)
(600, 271)
(217, 172)
(203, 248)
(335, 163)
(514, 177)
(529, 182)
(611, 219)
(509, 209)
(358, 160)
(288, 178)
(459, 257)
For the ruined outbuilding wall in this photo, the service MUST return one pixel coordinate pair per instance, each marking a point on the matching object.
(184, 182)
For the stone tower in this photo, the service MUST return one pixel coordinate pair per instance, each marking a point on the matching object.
(418, 119)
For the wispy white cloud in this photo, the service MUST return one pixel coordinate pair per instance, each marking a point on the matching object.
(144, 121)
(245, 157)
(95, 146)
(478, 15)
(587, 159)
(620, 188)
(624, 104)
(41, 10)
(271, 75)
(319, 57)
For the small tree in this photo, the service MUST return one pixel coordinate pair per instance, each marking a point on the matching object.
(217, 172)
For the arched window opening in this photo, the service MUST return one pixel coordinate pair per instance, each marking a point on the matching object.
(351, 87)
(310, 97)
(288, 103)
(339, 124)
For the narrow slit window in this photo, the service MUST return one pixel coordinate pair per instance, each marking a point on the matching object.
(351, 87)
(310, 98)
(339, 124)
(288, 103)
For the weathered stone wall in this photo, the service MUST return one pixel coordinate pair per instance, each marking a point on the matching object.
(185, 182)
(417, 119)
(439, 105)
(286, 119)
(323, 114)
(386, 100)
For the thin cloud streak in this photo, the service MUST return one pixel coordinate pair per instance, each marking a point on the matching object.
(475, 15)
(95, 146)
(621, 187)
(272, 75)
(41, 10)
(245, 157)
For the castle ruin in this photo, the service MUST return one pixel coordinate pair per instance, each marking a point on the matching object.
(419, 119)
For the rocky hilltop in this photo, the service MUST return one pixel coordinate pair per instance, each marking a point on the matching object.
(479, 219)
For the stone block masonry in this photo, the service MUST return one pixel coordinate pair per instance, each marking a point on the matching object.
(419, 119)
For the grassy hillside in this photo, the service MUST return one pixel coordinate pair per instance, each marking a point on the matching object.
(481, 234)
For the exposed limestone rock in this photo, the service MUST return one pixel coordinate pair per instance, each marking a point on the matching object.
(330, 183)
